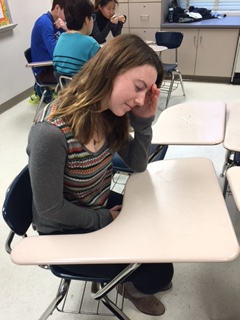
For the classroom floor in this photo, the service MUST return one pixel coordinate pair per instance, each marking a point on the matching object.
(201, 291)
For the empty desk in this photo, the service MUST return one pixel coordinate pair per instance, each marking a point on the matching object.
(191, 123)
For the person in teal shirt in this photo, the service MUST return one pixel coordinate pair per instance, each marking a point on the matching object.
(75, 47)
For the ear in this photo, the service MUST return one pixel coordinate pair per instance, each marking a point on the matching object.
(57, 8)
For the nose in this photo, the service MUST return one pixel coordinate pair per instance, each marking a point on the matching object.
(139, 100)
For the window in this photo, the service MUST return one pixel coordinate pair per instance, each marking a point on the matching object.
(220, 5)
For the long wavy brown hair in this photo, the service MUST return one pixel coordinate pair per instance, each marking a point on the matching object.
(79, 104)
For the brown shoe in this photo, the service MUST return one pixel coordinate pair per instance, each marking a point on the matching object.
(147, 304)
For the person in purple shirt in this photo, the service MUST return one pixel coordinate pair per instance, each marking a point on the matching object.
(45, 33)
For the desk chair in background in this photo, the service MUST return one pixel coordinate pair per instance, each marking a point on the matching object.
(17, 213)
(231, 141)
(63, 81)
(171, 40)
(44, 87)
(233, 177)
(232, 159)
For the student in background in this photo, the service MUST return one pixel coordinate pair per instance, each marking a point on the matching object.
(75, 47)
(45, 33)
(71, 148)
(106, 20)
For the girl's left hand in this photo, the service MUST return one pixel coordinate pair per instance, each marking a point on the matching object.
(121, 18)
(149, 108)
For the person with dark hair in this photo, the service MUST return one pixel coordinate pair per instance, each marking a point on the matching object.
(71, 148)
(106, 20)
(75, 47)
(45, 34)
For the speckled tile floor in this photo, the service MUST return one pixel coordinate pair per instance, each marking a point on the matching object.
(201, 291)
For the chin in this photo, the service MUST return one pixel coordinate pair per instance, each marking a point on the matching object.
(120, 114)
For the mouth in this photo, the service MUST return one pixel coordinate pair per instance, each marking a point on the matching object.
(128, 106)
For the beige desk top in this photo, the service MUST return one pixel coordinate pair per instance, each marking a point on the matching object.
(39, 64)
(233, 176)
(191, 123)
(157, 48)
(232, 135)
(174, 211)
(154, 46)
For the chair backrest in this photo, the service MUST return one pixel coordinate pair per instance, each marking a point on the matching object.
(28, 56)
(169, 39)
(17, 206)
(64, 81)
(236, 158)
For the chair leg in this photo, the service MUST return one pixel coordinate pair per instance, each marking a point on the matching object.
(181, 81)
(109, 304)
(225, 186)
(114, 309)
(40, 104)
(62, 291)
(170, 89)
(227, 162)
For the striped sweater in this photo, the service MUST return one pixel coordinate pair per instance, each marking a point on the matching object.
(87, 176)
(70, 184)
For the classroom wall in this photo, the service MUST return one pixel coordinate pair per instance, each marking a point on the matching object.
(14, 77)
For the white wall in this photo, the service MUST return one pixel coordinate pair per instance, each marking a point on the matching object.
(14, 77)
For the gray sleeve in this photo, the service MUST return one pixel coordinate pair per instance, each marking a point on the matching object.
(117, 29)
(136, 153)
(100, 36)
(47, 150)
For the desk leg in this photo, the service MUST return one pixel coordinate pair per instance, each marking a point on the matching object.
(115, 281)
(102, 293)
(114, 309)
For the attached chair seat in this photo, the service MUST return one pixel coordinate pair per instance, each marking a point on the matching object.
(168, 67)
(61, 272)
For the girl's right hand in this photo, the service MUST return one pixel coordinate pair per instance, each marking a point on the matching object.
(114, 19)
(115, 211)
(60, 24)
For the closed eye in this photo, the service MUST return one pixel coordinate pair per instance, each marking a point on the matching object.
(138, 88)
(140, 85)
